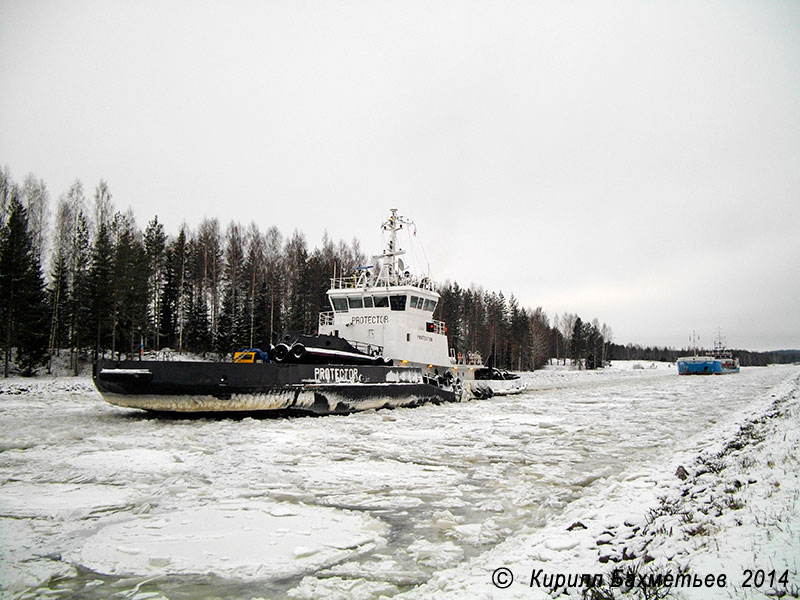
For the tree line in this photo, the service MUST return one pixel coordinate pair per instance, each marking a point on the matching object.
(115, 289)
(112, 288)
(747, 358)
(519, 338)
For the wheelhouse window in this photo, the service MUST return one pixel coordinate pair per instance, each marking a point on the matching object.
(355, 302)
(397, 302)
(430, 305)
(381, 301)
(414, 302)
(367, 301)
(339, 304)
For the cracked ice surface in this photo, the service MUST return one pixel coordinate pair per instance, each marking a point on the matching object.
(99, 500)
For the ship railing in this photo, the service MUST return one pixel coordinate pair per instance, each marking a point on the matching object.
(439, 327)
(361, 281)
(326, 319)
(423, 283)
(469, 358)
(344, 283)
(371, 349)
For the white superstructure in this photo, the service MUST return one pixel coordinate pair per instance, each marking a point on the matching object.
(385, 309)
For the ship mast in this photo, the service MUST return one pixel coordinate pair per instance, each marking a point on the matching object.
(719, 344)
(391, 266)
(694, 339)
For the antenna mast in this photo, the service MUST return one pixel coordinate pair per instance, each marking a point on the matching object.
(393, 225)
(694, 339)
(719, 343)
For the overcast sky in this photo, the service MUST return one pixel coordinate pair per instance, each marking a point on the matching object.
(638, 162)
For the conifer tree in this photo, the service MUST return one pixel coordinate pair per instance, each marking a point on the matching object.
(130, 286)
(540, 333)
(578, 342)
(58, 301)
(196, 330)
(79, 309)
(155, 244)
(297, 277)
(254, 270)
(171, 322)
(519, 336)
(23, 308)
(232, 324)
(449, 311)
(101, 290)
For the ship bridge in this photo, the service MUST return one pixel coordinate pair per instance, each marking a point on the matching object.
(385, 309)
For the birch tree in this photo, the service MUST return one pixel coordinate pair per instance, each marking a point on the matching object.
(36, 200)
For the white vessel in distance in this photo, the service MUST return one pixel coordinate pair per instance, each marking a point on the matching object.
(385, 309)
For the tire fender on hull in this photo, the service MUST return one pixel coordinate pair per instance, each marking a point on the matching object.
(297, 352)
(280, 352)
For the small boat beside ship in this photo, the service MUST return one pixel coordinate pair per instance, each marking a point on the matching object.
(378, 347)
(718, 362)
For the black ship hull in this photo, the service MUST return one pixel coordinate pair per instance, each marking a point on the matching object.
(204, 387)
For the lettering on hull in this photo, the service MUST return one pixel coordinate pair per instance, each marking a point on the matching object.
(337, 375)
(369, 320)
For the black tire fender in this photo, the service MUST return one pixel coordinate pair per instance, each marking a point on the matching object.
(280, 353)
(298, 351)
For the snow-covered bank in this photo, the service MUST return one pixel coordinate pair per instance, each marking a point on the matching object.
(98, 501)
(726, 525)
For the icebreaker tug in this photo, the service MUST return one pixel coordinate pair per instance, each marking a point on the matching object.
(379, 347)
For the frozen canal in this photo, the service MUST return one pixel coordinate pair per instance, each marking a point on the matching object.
(102, 502)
